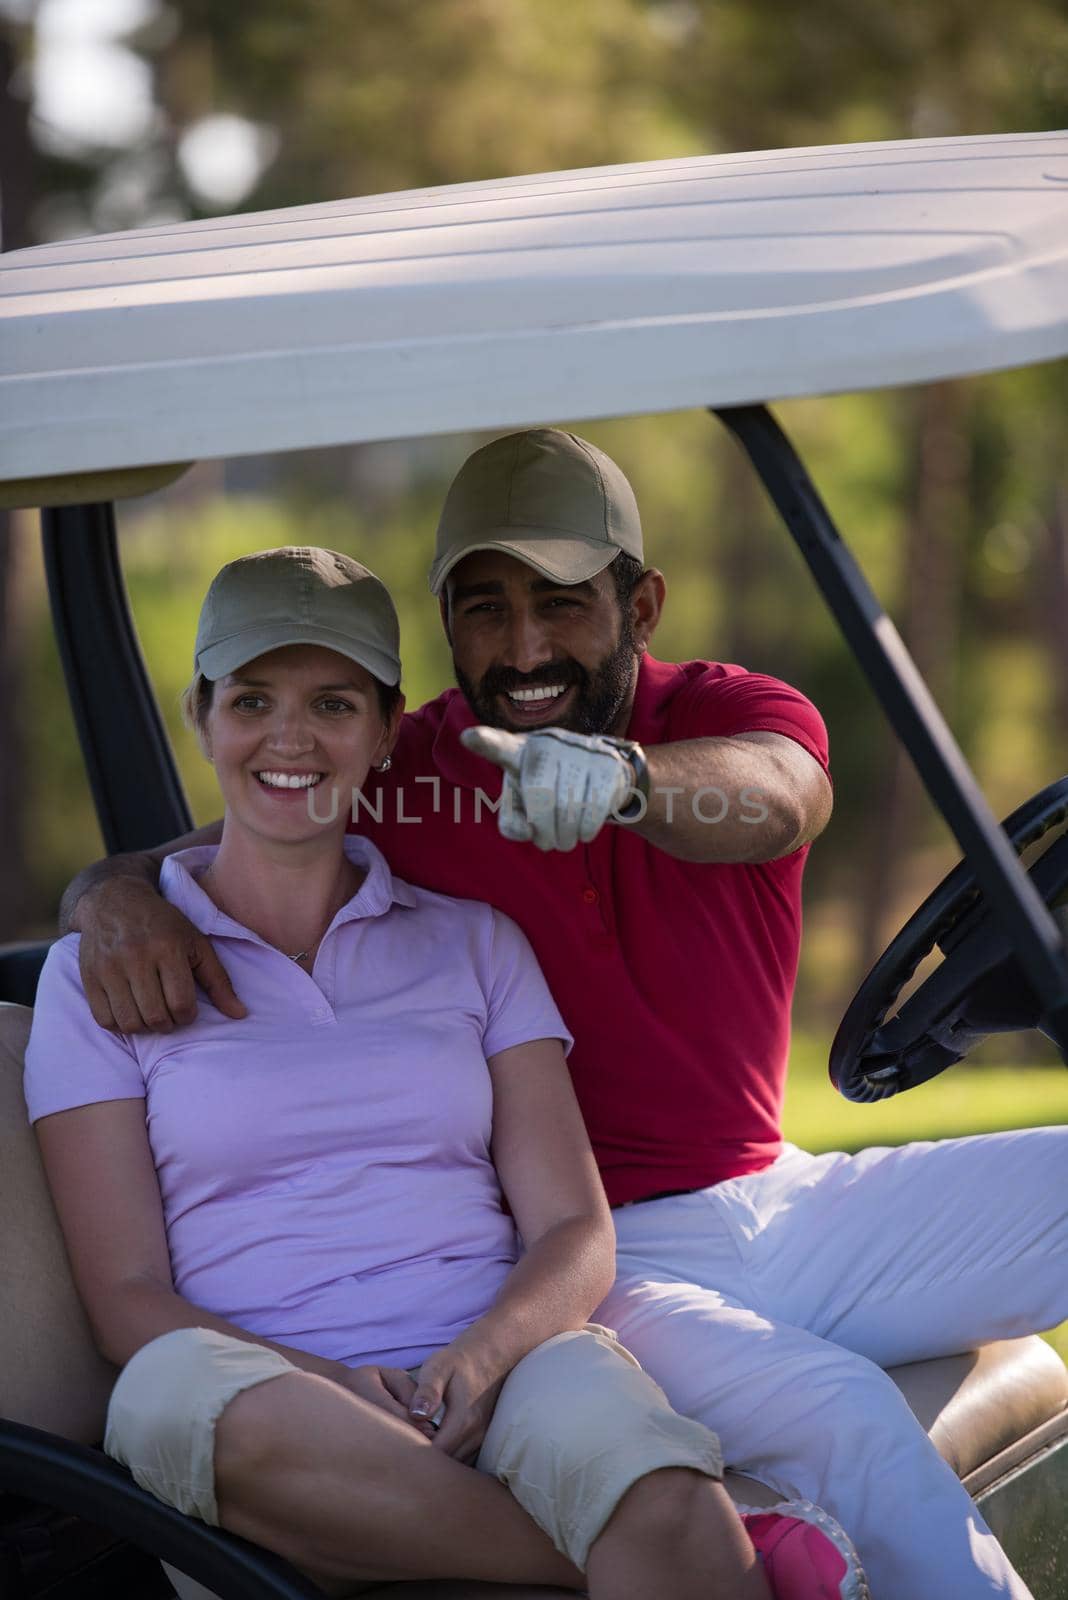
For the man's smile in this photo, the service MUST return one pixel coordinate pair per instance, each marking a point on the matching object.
(536, 707)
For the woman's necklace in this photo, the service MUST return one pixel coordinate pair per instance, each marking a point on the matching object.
(301, 955)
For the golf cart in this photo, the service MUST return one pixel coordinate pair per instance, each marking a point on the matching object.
(721, 282)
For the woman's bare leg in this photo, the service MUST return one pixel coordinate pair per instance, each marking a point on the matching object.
(345, 1491)
(675, 1533)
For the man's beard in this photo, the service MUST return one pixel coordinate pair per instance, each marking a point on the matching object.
(600, 697)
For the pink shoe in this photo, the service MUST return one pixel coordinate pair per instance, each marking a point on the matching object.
(805, 1554)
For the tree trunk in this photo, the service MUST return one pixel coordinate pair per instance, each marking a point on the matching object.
(1053, 612)
(929, 624)
(741, 562)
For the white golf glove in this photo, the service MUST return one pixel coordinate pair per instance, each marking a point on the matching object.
(559, 788)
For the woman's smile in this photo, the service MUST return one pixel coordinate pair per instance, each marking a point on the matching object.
(289, 780)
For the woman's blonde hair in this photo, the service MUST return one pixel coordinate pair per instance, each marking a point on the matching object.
(196, 702)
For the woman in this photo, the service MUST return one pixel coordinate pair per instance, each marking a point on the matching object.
(289, 1231)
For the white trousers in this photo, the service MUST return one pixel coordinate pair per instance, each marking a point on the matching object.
(767, 1306)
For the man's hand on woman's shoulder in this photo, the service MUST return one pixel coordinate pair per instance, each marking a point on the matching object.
(141, 960)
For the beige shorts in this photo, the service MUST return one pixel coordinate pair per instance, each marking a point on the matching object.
(577, 1423)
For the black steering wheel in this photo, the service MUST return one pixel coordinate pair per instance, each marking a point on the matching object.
(977, 989)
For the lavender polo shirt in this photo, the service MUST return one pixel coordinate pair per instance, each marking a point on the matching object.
(324, 1165)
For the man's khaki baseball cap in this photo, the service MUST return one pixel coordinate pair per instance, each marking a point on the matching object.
(298, 594)
(555, 501)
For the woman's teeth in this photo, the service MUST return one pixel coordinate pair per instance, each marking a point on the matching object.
(290, 780)
(526, 697)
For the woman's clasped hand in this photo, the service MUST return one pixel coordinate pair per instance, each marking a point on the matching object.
(462, 1384)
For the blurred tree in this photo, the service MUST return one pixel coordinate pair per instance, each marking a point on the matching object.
(1053, 603)
(932, 542)
(16, 188)
(399, 94)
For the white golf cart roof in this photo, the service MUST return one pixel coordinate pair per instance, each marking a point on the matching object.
(715, 280)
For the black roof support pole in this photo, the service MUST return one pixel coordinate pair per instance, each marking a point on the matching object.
(132, 772)
(912, 711)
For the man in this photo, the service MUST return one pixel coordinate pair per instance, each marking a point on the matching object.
(648, 831)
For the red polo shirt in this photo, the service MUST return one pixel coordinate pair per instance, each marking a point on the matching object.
(675, 977)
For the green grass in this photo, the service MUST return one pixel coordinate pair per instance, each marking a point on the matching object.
(966, 1099)
(963, 1100)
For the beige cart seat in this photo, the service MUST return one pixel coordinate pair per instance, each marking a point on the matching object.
(987, 1411)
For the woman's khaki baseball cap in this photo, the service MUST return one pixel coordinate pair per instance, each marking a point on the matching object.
(555, 501)
(298, 594)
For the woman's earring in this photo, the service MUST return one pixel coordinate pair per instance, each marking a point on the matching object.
(384, 766)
